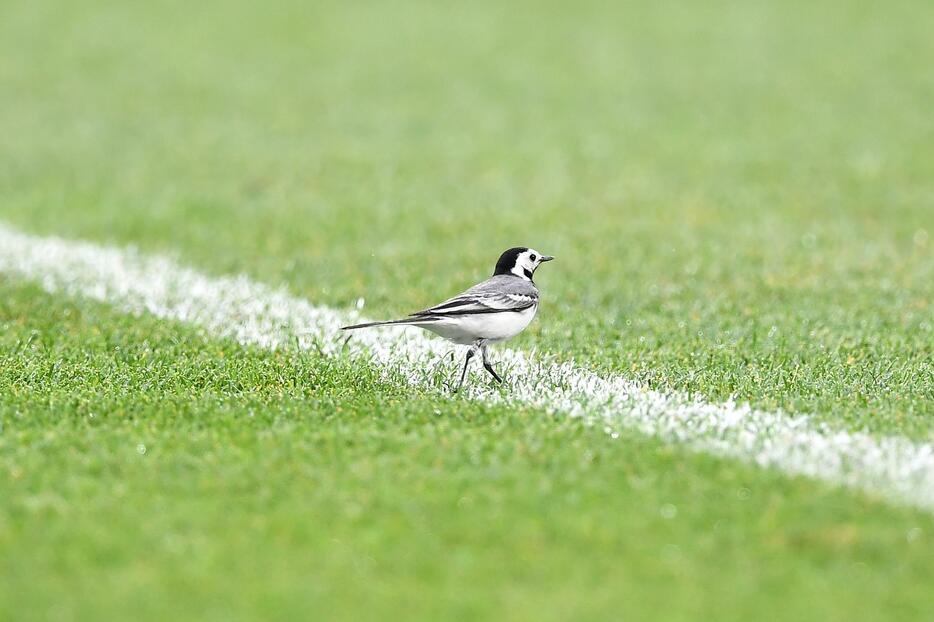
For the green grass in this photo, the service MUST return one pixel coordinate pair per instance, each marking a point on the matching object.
(152, 473)
(740, 198)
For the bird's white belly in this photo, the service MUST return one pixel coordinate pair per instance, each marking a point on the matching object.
(467, 329)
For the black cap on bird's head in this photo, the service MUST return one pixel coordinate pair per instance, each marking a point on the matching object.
(520, 261)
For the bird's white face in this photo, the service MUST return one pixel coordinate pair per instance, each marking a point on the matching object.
(528, 261)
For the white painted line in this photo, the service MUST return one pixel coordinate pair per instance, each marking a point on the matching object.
(895, 468)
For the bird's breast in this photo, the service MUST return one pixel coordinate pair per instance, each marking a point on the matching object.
(501, 326)
(467, 329)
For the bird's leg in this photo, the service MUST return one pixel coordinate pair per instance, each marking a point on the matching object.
(470, 354)
(486, 364)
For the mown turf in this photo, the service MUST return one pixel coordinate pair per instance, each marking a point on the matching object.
(739, 195)
(152, 474)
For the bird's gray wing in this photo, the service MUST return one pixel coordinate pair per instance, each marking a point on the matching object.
(495, 295)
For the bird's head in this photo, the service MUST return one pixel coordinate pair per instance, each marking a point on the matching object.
(520, 261)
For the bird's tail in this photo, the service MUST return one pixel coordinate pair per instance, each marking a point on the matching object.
(411, 321)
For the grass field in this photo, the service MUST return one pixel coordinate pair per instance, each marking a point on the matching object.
(741, 201)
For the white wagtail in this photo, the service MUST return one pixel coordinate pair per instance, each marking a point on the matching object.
(495, 310)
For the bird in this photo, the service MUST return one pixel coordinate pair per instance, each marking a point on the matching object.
(492, 311)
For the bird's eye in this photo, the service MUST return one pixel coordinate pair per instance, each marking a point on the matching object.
(532, 257)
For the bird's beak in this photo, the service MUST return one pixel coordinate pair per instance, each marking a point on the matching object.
(547, 258)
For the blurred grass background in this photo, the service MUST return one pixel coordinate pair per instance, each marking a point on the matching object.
(741, 201)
